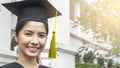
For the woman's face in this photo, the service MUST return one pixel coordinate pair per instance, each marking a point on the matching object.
(32, 38)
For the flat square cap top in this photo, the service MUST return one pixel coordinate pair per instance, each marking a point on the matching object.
(39, 10)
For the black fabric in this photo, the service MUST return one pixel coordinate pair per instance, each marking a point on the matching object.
(26, 10)
(33, 13)
(17, 65)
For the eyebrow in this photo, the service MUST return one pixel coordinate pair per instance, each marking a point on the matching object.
(42, 33)
(28, 31)
(32, 32)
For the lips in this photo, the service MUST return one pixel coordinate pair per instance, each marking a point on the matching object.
(33, 49)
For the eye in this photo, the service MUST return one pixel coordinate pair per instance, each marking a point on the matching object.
(28, 34)
(42, 36)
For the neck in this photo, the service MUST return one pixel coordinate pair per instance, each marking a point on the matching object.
(27, 62)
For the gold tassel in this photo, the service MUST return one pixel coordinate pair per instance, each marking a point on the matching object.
(52, 50)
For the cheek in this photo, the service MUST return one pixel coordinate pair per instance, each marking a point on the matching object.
(43, 42)
(23, 40)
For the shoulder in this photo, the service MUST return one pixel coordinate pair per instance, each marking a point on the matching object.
(42, 66)
(11, 65)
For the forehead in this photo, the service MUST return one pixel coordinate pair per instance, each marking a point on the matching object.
(33, 25)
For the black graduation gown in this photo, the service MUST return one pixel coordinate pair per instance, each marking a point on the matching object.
(17, 65)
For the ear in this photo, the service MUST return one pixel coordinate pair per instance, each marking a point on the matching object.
(15, 37)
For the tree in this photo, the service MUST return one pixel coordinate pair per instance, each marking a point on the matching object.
(103, 18)
(110, 63)
(101, 61)
(89, 57)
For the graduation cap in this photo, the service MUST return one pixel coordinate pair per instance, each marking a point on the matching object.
(38, 10)
(34, 10)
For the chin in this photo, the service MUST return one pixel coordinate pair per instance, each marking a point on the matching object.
(32, 54)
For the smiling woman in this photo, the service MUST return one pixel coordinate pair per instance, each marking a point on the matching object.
(32, 38)
(31, 31)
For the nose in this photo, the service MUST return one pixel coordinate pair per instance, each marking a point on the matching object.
(34, 40)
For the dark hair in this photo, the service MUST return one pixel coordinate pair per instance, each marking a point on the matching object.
(19, 26)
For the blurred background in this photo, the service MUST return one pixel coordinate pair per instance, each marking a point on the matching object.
(88, 34)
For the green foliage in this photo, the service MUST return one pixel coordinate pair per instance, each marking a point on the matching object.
(77, 58)
(87, 65)
(101, 61)
(116, 66)
(89, 57)
(110, 63)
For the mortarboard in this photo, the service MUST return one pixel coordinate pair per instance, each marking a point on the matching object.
(38, 10)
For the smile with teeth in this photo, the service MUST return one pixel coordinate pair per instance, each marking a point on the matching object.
(33, 49)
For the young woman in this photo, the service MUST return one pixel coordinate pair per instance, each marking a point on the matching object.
(31, 31)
